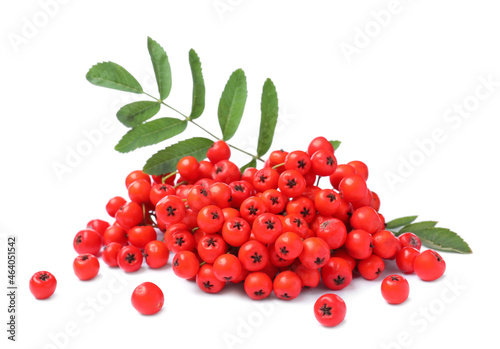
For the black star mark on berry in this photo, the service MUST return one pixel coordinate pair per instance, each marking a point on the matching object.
(269, 224)
(218, 169)
(228, 278)
(203, 192)
(179, 241)
(378, 271)
(85, 257)
(207, 284)
(283, 250)
(285, 295)
(327, 311)
(176, 262)
(130, 257)
(252, 210)
(237, 225)
(394, 278)
(78, 239)
(215, 215)
(274, 200)
(44, 277)
(256, 258)
(301, 164)
(239, 187)
(211, 242)
(297, 222)
(319, 261)
(330, 161)
(339, 280)
(304, 212)
(259, 293)
(262, 178)
(171, 211)
(332, 197)
(163, 188)
(291, 183)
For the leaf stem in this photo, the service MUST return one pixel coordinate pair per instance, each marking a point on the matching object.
(204, 129)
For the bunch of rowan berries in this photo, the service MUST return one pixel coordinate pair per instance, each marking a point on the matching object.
(273, 230)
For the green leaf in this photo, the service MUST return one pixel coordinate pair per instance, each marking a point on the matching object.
(136, 113)
(443, 239)
(198, 86)
(335, 144)
(268, 118)
(161, 67)
(399, 222)
(150, 133)
(232, 104)
(112, 75)
(416, 227)
(166, 160)
(252, 163)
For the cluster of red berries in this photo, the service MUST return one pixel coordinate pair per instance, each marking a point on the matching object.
(274, 230)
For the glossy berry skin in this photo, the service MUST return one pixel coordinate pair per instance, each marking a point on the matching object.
(336, 273)
(129, 215)
(360, 168)
(395, 289)
(330, 310)
(429, 265)
(251, 208)
(199, 197)
(226, 171)
(405, 259)
(353, 188)
(87, 241)
(159, 191)
(253, 255)
(319, 143)
(310, 277)
(185, 264)
(298, 160)
(367, 219)
(42, 285)
(136, 175)
(129, 259)
(171, 209)
(291, 183)
(227, 267)
(147, 298)
(114, 205)
(370, 268)
(359, 244)
(86, 266)
(323, 163)
(156, 254)
(115, 233)
(206, 280)
(139, 191)
(288, 245)
(236, 231)
(182, 241)
(210, 247)
(189, 168)
(221, 194)
(210, 219)
(303, 207)
(141, 235)
(267, 227)
(258, 285)
(218, 151)
(315, 253)
(98, 225)
(327, 202)
(410, 240)
(287, 285)
(385, 244)
(294, 223)
(341, 171)
(265, 178)
(333, 231)
(240, 191)
(110, 254)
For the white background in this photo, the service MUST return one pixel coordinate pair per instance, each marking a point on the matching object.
(410, 63)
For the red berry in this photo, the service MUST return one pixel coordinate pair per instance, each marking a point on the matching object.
(87, 241)
(395, 289)
(147, 298)
(353, 188)
(429, 265)
(287, 285)
(156, 254)
(129, 258)
(86, 266)
(258, 285)
(110, 254)
(330, 310)
(42, 285)
(218, 151)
